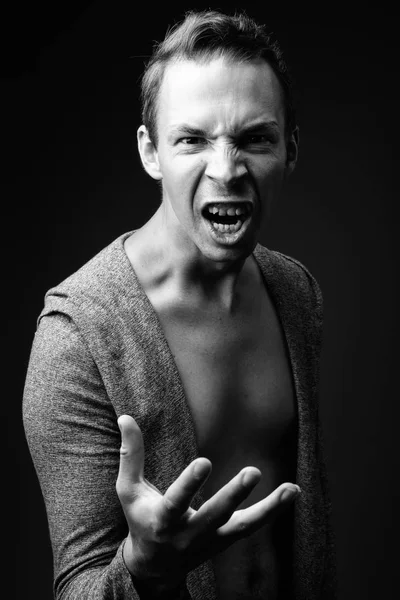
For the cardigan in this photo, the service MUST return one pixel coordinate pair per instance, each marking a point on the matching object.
(99, 351)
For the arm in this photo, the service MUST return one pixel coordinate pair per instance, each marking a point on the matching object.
(74, 440)
(167, 538)
(72, 432)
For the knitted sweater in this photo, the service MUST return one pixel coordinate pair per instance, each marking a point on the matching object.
(99, 352)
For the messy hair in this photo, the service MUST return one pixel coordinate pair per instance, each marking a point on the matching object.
(205, 35)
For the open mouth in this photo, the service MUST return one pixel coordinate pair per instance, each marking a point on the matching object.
(227, 217)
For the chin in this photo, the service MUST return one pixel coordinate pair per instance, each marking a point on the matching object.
(227, 253)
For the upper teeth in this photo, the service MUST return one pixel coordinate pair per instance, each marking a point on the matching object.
(223, 210)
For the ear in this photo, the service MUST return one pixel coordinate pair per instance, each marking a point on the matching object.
(148, 153)
(292, 150)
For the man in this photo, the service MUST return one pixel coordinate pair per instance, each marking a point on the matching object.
(202, 343)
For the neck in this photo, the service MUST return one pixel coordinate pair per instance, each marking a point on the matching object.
(169, 256)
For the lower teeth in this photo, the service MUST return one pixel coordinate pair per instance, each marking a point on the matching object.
(223, 228)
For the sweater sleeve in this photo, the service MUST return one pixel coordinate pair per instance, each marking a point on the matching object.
(72, 433)
(74, 440)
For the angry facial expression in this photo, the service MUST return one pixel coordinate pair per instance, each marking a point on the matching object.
(221, 154)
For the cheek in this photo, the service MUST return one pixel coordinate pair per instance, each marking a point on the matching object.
(180, 181)
(178, 194)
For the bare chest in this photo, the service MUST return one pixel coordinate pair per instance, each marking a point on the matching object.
(238, 384)
(236, 376)
(237, 379)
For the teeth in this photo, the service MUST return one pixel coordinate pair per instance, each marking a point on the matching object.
(226, 228)
(231, 210)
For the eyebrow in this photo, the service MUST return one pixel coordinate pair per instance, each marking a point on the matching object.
(264, 126)
(186, 130)
(190, 131)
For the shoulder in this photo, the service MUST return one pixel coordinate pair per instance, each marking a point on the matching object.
(301, 274)
(292, 286)
(98, 287)
(106, 303)
(288, 271)
(102, 273)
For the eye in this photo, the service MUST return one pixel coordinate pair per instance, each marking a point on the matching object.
(258, 142)
(257, 138)
(192, 141)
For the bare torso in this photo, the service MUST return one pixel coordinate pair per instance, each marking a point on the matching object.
(238, 385)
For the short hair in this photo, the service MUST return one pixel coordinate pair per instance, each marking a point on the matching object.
(203, 35)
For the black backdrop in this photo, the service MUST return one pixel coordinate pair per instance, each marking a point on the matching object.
(74, 183)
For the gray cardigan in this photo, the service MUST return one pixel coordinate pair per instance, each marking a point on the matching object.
(99, 352)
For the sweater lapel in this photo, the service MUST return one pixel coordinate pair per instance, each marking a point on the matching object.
(284, 282)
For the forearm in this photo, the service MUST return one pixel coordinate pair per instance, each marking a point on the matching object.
(73, 439)
(112, 582)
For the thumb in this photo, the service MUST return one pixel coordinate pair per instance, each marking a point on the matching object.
(131, 456)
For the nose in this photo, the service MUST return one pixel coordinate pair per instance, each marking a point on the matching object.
(225, 166)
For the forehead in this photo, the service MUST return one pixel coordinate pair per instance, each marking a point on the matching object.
(220, 93)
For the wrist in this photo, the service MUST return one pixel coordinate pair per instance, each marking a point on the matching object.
(151, 587)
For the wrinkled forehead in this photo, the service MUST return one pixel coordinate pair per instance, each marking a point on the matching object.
(219, 89)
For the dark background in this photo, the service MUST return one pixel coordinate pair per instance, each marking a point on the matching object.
(73, 183)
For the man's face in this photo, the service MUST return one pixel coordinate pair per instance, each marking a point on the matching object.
(221, 152)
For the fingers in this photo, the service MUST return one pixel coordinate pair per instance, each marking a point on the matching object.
(246, 521)
(218, 509)
(131, 455)
(180, 493)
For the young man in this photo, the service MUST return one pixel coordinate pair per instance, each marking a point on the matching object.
(202, 344)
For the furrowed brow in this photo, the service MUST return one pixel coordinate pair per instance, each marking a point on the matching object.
(261, 127)
(186, 130)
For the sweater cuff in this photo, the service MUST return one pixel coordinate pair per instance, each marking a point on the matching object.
(180, 594)
(121, 578)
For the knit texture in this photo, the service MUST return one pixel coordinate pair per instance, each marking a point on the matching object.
(99, 352)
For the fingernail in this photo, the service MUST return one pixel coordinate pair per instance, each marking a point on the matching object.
(290, 493)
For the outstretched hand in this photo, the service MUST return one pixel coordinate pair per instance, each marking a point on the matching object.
(167, 538)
